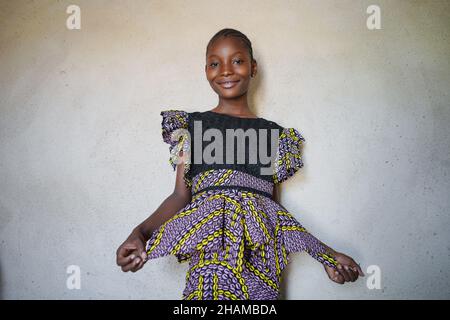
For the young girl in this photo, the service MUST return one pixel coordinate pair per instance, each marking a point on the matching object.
(224, 217)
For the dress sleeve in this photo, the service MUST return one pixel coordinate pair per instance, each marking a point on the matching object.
(297, 238)
(174, 129)
(289, 154)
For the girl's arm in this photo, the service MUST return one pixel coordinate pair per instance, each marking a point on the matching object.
(134, 246)
(180, 197)
(347, 268)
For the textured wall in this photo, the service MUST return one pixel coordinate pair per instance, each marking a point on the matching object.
(82, 160)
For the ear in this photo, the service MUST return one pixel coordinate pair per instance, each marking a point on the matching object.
(254, 68)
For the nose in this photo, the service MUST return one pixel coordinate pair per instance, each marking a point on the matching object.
(226, 69)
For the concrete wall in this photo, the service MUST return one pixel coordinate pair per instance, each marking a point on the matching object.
(82, 159)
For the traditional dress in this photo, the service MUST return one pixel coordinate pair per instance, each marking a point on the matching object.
(236, 239)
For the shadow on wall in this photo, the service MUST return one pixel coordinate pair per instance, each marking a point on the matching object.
(1, 282)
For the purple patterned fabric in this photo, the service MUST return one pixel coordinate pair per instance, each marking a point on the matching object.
(236, 239)
(289, 158)
(173, 126)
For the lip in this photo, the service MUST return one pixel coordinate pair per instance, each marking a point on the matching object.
(228, 84)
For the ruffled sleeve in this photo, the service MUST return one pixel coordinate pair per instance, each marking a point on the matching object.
(175, 132)
(289, 154)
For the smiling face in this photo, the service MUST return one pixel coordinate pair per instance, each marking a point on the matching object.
(229, 67)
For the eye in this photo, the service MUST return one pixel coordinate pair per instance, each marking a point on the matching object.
(214, 64)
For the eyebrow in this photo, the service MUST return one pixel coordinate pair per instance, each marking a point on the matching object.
(214, 55)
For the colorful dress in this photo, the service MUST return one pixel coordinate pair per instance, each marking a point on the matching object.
(236, 238)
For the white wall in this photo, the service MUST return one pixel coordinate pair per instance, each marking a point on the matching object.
(82, 159)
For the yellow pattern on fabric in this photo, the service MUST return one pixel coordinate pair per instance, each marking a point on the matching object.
(203, 175)
(277, 262)
(284, 213)
(214, 235)
(236, 273)
(261, 275)
(198, 195)
(328, 258)
(215, 287)
(292, 152)
(222, 179)
(196, 228)
(259, 220)
(293, 228)
(200, 287)
(227, 251)
(263, 257)
(246, 240)
(227, 294)
(284, 253)
(262, 213)
(201, 259)
(161, 230)
(193, 294)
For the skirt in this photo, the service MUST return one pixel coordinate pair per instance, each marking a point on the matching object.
(236, 239)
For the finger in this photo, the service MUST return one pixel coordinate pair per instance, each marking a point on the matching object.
(136, 263)
(123, 261)
(125, 248)
(139, 250)
(331, 272)
(338, 278)
(140, 265)
(334, 275)
(127, 267)
(349, 272)
(131, 265)
(359, 270)
(343, 272)
(356, 269)
(123, 252)
(129, 262)
(144, 255)
(353, 275)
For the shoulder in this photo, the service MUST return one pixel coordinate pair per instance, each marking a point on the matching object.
(173, 120)
(289, 153)
(270, 124)
(174, 114)
(180, 115)
(286, 131)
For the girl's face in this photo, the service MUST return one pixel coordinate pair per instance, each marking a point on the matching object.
(228, 60)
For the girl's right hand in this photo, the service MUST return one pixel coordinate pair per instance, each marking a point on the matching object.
(131, 255)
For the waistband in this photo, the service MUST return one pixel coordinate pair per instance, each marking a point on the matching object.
(226, 179)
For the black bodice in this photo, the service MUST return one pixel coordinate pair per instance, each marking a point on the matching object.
(208, 120)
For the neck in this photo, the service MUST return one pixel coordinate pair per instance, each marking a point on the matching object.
(238, 107)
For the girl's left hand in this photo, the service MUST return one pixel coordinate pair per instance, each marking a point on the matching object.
(347, 269)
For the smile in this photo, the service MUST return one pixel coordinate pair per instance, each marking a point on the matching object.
(228, 84)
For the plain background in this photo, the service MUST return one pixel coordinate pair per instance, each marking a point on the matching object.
(82, 159)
